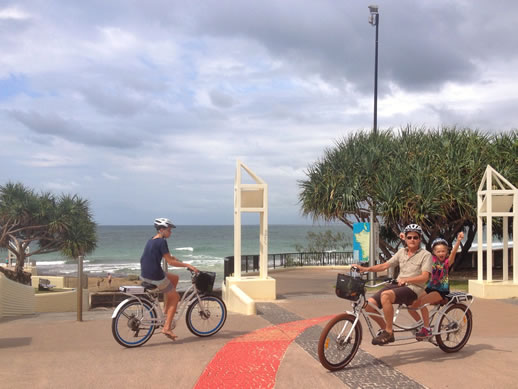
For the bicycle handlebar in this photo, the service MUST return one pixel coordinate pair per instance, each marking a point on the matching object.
(393, 281)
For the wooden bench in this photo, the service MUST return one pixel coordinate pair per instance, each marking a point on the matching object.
(44, 284)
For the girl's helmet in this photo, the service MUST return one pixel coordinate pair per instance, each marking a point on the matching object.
(413, 228)
(163, 222)
(439, 241)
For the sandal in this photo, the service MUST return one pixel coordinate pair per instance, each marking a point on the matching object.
(383, 338)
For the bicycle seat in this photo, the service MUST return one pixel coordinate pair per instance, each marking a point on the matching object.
(148, 286)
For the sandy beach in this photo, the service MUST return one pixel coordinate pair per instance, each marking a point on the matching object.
(100, 284)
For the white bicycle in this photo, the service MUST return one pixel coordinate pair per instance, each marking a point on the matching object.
(451, 322)
(135, 319)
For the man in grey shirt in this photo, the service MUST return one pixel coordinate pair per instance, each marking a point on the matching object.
(415, 266)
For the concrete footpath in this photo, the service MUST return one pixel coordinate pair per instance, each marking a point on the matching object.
(277, 348)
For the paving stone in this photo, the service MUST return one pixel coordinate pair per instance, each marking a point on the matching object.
(365, 371)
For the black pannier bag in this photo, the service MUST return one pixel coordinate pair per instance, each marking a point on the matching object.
(205, 281)
(349, 288)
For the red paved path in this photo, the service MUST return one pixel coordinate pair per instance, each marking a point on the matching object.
(252, 360)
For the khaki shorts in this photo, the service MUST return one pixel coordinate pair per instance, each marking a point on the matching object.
(163, 286)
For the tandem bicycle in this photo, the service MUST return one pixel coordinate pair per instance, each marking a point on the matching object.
(136, 318)
(451, 322)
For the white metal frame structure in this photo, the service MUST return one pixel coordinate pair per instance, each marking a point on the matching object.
(497, 197)
(240, 293)
(250, 198)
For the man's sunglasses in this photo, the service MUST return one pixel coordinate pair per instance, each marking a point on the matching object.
(413, 237)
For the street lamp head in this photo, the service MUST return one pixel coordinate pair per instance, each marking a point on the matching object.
(373, 18)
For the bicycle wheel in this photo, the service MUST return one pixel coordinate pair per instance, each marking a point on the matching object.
(334, 351)
(132, 327)
(459, 321)
(207, 318)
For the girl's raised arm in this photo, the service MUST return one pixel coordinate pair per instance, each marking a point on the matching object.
(453, 253)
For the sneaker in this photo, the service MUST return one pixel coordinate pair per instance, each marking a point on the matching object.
(423, 333)
(383, 338)
(377, 334)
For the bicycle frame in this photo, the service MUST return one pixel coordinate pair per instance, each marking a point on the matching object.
(151, 298)
(436, 313)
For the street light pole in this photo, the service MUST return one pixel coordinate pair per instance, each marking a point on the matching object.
(374, 20)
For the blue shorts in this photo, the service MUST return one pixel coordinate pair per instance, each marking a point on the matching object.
(443, 293)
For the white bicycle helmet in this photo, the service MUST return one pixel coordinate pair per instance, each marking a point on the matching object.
(413, 228)
(439, 241)
(163, 222)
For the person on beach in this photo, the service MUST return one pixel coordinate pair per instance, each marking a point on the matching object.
(415, 266)
(109, 279)
(438, 286)
(151, 270)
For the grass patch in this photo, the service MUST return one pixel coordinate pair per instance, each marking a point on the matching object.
(459, 285)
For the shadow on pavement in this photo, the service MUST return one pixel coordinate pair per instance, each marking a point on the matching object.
(406, 357)
(15, 342)
(192, 339)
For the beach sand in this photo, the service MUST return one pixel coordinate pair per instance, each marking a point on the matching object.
(100, 284)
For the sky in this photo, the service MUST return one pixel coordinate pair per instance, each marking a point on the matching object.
(143, 108)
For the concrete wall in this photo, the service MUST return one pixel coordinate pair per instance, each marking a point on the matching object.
(58, 282)
(241, 293)
(60, 301)
(493, 289)
(15, 299)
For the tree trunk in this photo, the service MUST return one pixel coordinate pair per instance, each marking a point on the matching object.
(464, 254)
(20, 259)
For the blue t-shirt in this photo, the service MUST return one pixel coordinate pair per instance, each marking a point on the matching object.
(151, 260)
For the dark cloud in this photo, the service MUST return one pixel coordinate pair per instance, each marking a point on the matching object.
(72, 131)
(220, 99)
(114, 102)
(422, 45)
(494, 117)
(201, 84)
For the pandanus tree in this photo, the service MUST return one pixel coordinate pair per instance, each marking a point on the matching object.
(411, 175)
(51, 223)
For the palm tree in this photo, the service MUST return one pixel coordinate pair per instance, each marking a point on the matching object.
(62, 224)
(414, 175)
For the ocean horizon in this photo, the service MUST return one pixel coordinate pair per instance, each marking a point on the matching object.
(119, 248)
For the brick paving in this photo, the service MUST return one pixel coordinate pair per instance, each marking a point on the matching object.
(365, 371)
(55, 351)
(252, 360)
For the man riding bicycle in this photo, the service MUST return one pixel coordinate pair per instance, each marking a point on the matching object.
(151, 270)
(415, 266)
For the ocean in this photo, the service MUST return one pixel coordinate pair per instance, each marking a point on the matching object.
(119, 248)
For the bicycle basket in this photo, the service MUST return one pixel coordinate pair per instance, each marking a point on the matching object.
(205, 281)
(349, 288)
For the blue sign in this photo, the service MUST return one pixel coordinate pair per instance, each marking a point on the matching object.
(361, 241)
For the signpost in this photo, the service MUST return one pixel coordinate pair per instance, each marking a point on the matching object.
(363, 250)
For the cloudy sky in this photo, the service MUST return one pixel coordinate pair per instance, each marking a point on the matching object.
(143, 107)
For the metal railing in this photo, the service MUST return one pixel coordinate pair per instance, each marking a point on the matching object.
(250, 263)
